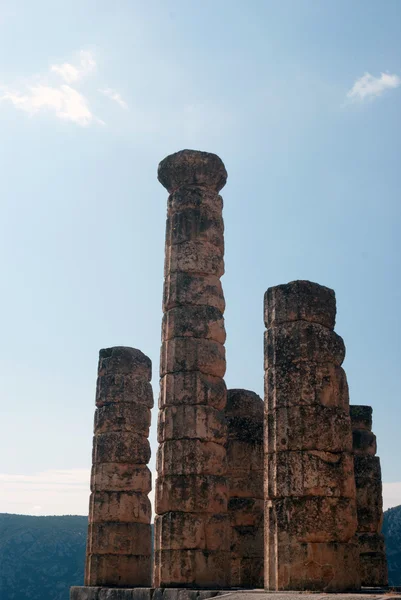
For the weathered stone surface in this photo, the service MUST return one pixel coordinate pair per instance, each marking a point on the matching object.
(306, 384)
(309, 473)
(190, 354)
(246, 484)
(300, 341)
(187, 289)
(192, 568)
(124, 361)
(123, 507)
(361, 416)
(367, 468)
(195, 198)
(246, 571)
(205, 322)
(119, 477)
(123, 388)
(192, 388)
(246, 512)
(188, 531)
(125, 416)
(192, 168)
(121, 446)
(244, 414)
(191, 421)
(194, 223)
(121, 538)
(308, 428)
(364, 442)
(247, 542)
(190, 456)
(191, 493)
(118, 570)
(373, 562)
(242, 455)
(201, 258)
(300, 301)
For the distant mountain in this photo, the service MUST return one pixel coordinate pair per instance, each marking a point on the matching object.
(41, 557)
(392, 533)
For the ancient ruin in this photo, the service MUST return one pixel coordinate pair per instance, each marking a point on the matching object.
(248, 493)
(191, 524)
(119, 533)
(373, 562)
(244, 413)
(310, 510)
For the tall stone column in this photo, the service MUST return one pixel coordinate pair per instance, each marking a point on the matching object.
(310, 498)
(119, 534)
(244, 413)
(373, 562)
(192, 524)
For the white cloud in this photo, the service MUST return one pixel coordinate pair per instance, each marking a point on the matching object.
(368, 86)
(391, 494)
(72, 73)
(66, 102)
(113, 95)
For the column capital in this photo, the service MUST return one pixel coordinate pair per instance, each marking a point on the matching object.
(192, 168)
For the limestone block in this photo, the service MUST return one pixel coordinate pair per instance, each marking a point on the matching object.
(118, 570)
(300, 301)
(194, 321)
(247, 541)
(306, 384)
(113, 388)
(308, 428)
(84, 593)
(189, 289)
(191, 493)
(364, 442)
(361, 416)
(367, 468)
(178, 568)
(124, 416)
(192, 168)
(123, 507)
(324, 567)
(370, 543)
(125, 361)
(196, 257)
(373, 561)
(188, 531)
(191, 421)
(246, 484)
(192, 388)
(190, 354)
(191, 456)
(120, 538)
(242, 455)
(195, 198)
(244, 413)
(120, 477)
(197, 223)
(126, 593)
(309, 473)
(120, 446)
(247, 572)
(300, 341)
(312, 518)
(369, 505)
(246, 512)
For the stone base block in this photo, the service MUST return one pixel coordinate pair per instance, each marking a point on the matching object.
(247, 572)
(192, 568)
(118, 570)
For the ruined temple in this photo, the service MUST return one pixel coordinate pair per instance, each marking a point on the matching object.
(283, 493)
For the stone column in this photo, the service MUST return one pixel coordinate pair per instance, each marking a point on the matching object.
(244, 413)
(119, 533)
(310, 497)
(192, 525)
(373, 562)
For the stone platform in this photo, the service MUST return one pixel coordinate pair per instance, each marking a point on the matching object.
(103, 593)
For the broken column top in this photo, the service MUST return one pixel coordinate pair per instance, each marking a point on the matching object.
(244, 413)
(361, 416)
(192, 168)
(300, 301)
(125, 361)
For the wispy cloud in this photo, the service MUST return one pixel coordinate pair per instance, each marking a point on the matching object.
(72, 73)
(113, 95)
(39, 93)
(369, 87)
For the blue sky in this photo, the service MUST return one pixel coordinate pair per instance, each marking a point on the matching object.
(301, 99)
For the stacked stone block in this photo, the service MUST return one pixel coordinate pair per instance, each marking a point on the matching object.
(119, 532)
(310, 497)
(244, 413)
(192, 524)
(373, 562)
